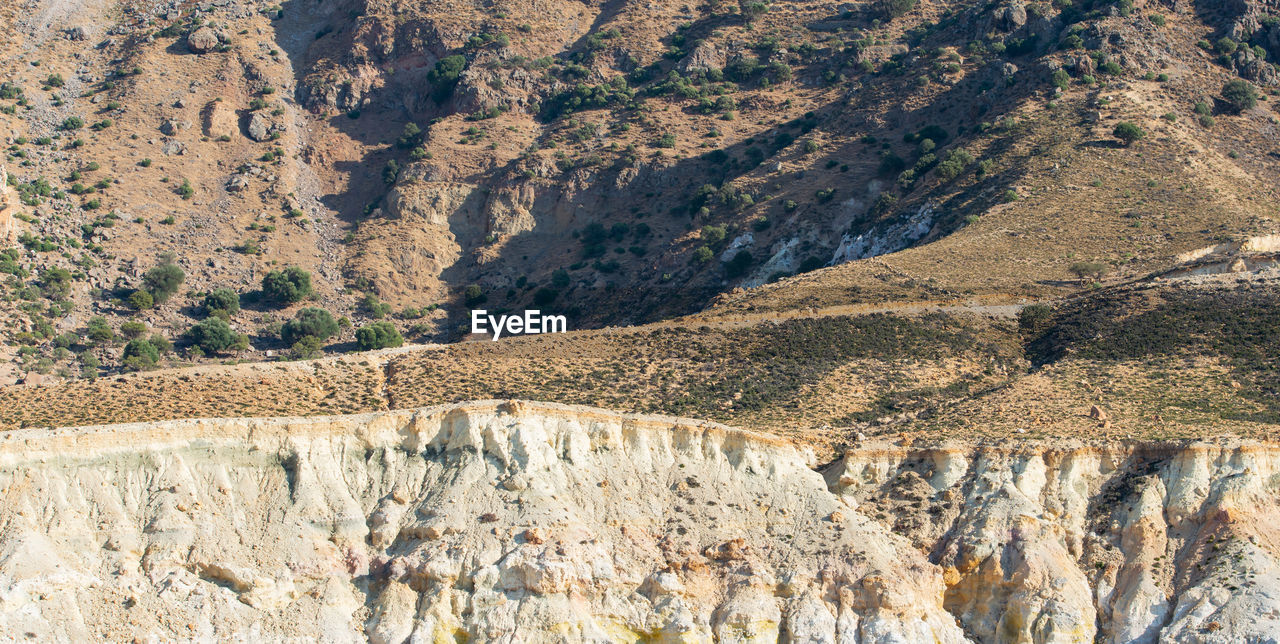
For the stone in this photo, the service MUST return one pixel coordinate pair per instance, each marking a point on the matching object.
(706, 57)
(1011, 17)
(171, 127)
(202, 40)
(1097, 413)
(261, 127)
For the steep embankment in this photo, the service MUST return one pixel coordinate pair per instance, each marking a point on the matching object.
(484, 519)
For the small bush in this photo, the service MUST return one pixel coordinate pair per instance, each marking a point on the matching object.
(221, 301)
(99, 332)
(163, 281)
(712, 235)
(378, 335)
(306, 348)
(1061, 78)
(1128, 132)
(287, 286)
(1084, 270)
(474, 295)
(311, 321)
(1240, 95)
(140, 300)
(214, 335)
(133, 329)
(139, 355)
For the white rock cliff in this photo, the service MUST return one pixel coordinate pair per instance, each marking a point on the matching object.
(515, 521)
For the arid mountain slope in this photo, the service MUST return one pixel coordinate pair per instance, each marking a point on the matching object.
(621, 162)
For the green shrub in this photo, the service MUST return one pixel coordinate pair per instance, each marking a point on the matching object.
(1084, 270)
(712, 235)
(133, 329)
(306, 348)
(1240, 95)
(1128, 132)
(139, 355)
(891, 9)
(140, 300)
(444, 76)
(739, 265)
(378, 335)
(702, 255)
(311, 321)
(214, 335)
(287, 286)
(55, 283)
(163, 281)
(161, 343)
(221, 301)
(98, 331)
(955, 163)
(1061, 78)
(473, 295)
(545, 296)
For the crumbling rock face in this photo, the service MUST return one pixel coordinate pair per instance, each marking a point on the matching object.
(8, 205)
(516, 521)
(489, 521)
(1127, 543)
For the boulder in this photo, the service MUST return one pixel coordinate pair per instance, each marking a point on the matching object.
(262, 127)
(705, 57)
(237, 183)
(171, 127)
(1011, 17)
(219, 119)
(202, 40)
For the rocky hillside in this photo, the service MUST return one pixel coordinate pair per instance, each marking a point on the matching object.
(474, 521)
(620, 162)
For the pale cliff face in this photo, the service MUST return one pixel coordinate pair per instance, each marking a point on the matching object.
(490, 521)
(8, 205)
(1123, 543)
(539, 522)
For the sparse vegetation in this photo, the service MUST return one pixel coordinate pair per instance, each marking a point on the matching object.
(378, 335)
(287, 286)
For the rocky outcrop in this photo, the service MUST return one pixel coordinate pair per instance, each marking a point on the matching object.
(263, 127)
(517, 521)
(1124, 543)
(8, 205)
(706, 57)
(203, 40)
(486, 521)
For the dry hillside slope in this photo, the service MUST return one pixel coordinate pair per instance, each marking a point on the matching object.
(419, 159)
